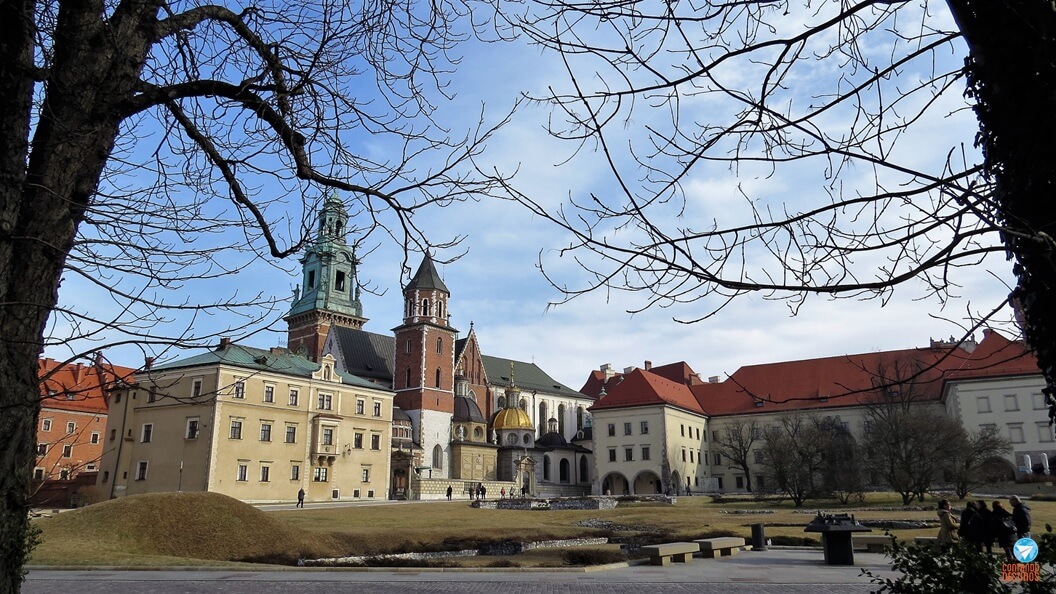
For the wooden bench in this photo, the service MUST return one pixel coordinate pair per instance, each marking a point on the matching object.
(663, 554)
(725, 546)
(872, 543)
(925, 540)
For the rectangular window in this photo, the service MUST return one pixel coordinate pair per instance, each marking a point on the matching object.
(645, 427)
(645, 452)
(42, 449)
(269, 393)
(265, 432)
(628, 454)
(295, 472)
(1039, 401)
(682, 430)
(328, 436)
(113, 434)
(1011, 402)
(38, 474)
(152, 395)
(326, 402)
(196, 388)
(366, 475)
(698, 433)
(612, 429)
(294, 395)
(683, 454)
(243, 472)
(265, 474)
(715, 436)
(141, 471)
(70, 428)
(375, 442)
(192, 428)
(236, 430)
(626, 428)
(148, 432)
(717, 460)
(359, 406)
(612, 455)
(740, 481)
(1044, 432)
(982, 404)
(1015, 432)
(90, 467)
(377, 409)
(719, 481)
(319, 474)
(94, 438)
(291, 433)
(45, 425)
(357, 441)
(758, 456)
(691, 459)
(240, 389)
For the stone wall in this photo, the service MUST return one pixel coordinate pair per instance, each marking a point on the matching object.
(436, 488)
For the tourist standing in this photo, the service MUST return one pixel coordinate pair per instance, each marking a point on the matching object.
(1021, 516)
(984, 527)
(969, 522)
(947, 525)
(449, 492)
(502, 493)
(1004, 527)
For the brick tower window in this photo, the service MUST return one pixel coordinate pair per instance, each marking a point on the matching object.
(438, 377)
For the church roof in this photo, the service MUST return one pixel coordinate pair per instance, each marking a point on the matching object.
(511, 418)
(427, 278)
(466, 409)
(275, 360)
(527, 376)
(366, 354)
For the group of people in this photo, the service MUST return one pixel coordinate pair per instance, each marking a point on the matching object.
(980, 525)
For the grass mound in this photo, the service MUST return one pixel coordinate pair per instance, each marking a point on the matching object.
(206, 526)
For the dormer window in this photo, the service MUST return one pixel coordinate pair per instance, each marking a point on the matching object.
(311, 279)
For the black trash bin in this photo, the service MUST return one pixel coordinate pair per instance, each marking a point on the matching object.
(758, 537)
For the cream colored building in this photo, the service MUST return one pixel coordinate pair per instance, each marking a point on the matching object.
(657, 429)
(253, 424)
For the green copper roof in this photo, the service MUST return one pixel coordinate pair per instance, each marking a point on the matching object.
(255, 359)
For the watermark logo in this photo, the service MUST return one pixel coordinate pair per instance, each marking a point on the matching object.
(1025, 550)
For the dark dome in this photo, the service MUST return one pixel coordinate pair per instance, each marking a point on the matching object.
(399, 415)
(551, 440)
(466, 409)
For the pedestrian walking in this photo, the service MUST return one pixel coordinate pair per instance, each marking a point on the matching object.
(300, 498)
(1020, 516)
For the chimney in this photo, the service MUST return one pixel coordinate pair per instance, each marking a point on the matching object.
(225, 342)
(713, 379)
(606, 370)
(78, 374)
(148, 363)
(694, 379)
(648, 365)
(278, 350)
(628, 369)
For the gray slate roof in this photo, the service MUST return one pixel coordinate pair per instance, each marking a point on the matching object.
(427, 278)
(527, 376)
(255, 359)
(367, 354)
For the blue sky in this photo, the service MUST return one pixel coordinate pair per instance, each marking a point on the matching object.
(497, 286)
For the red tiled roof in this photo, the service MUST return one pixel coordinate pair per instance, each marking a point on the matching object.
(997, 356)
(78, 387)
(643, 388)
(827, 382)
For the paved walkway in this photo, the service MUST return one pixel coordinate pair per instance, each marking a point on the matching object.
(787, 571)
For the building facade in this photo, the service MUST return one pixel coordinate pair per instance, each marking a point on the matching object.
(257, 425)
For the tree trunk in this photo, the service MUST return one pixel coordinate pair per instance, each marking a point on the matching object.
(1012, 76)
(45, 191)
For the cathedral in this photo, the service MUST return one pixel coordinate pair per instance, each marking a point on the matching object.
(460, 418)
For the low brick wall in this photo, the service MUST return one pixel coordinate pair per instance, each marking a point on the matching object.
(426, 488)
(593, 502)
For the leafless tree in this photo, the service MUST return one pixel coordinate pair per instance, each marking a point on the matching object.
(980, 460)
(146, 145)
(735, 445)
(841, 471)
(793, 457)
(847, 134)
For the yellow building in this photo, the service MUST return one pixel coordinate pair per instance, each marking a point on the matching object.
(254, 424)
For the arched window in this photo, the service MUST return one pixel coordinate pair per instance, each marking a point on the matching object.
(501, 402)
(583, 476)
(524, 405)
(563, 470)
(439, 309)
(425, 307)
(541, 421)
(546, 468)
(439, 346)
(579, 418)
(438, 457)
(437, 377)
(561, 419)
(407, 383)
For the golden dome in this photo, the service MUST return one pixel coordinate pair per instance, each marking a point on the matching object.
(512, 418)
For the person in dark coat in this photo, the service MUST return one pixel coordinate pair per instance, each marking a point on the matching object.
(449, 492)
(1002, 530)
(1021, 516)
(965, 529)
(984, 527)
(300, 498)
